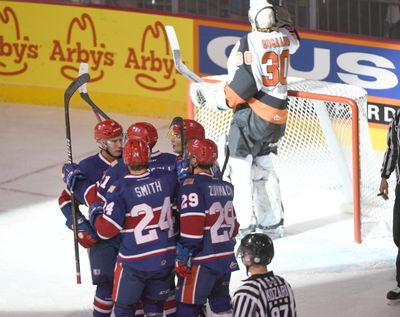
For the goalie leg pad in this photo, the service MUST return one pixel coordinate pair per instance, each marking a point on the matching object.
(240, 174)
(267, 194)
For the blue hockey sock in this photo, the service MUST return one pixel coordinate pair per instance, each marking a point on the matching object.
(102, 303)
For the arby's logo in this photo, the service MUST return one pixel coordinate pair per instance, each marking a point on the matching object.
(15, 48)
(82, 46)
(154, 68)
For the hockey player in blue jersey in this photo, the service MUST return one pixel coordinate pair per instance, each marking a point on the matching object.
(118, 169)
(205, 252)
(139, 208)
(108, 135)
(146, 131)
(191, 130)
(158, 160)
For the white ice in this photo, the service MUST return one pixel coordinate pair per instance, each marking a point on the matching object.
(330, 274)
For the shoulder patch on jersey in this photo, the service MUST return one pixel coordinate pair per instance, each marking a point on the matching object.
(111, 189)
(188, 181)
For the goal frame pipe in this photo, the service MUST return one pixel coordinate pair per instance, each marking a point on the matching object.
(355, 149)
(355, 145)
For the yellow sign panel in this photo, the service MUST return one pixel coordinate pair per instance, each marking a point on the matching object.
(130, 61)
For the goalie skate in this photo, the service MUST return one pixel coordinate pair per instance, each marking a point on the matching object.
(274, 232)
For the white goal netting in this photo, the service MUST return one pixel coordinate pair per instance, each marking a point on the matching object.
(315, 157)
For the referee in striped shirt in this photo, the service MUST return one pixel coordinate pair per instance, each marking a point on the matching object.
(263, 294)
(391, 162)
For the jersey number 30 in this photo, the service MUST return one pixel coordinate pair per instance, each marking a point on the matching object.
(274, 73)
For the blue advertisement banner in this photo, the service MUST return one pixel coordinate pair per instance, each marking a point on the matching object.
(372, 65)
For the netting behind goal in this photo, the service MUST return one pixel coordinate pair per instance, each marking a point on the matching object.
(323, 165)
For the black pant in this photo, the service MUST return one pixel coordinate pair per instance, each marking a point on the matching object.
(396, 231)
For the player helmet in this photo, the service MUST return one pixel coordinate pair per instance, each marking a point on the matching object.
(191, 130)
(107, 129)
(143, 131)
(258, 247)
(205, 151)
(136, 152)
(262, 15)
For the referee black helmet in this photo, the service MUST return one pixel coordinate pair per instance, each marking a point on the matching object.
(258, 247)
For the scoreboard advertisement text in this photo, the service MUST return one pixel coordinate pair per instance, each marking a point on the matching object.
(130, 61)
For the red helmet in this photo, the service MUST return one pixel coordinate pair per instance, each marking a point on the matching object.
(136, 152)
(143, 131)
(205, 150)
(191, 129)
(107, 129)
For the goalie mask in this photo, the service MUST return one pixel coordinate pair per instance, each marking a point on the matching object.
(256, 248)
(205, 151)
(262, 16)
(136, 153)
(143, 131)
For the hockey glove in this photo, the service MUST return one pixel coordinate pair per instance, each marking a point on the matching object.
(182, 169)
(183, 260)
(283, 16)
(95, 210)
(71, 173)
(210, 95)
(87, 237)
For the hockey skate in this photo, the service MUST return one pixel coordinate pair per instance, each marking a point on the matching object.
(245, 231)
(394, 296)
(274, 232)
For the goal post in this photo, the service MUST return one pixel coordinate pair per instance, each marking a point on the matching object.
(325, 160)
(354, 145)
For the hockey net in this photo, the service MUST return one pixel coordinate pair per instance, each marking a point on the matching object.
(326, 163)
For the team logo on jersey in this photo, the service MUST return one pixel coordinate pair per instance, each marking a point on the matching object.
(233, 265)
(75, 50)
(111, 189)
(152, 63)
(15, 48)
(96, 272)
(188, 181)
(163, 262)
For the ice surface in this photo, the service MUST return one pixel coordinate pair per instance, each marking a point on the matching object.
(330, 274)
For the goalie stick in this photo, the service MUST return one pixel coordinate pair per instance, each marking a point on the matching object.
(185, 71)
(176, 53)
(84, 69)
(74, 86)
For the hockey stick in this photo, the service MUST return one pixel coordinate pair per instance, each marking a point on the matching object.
(179, 122)
(81, 80)
(84, 69)
(227, 154)
(176, 52)
(185, 71)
